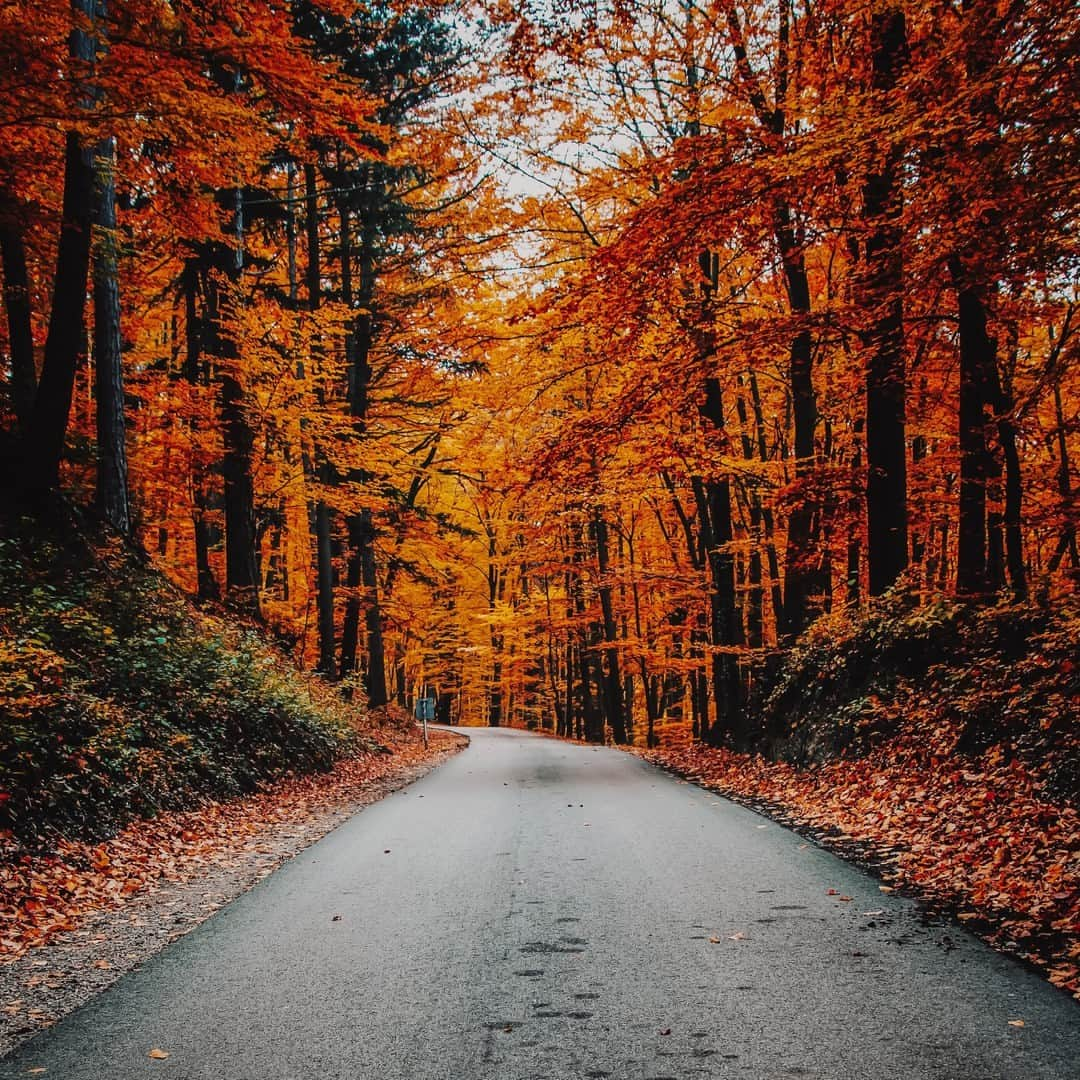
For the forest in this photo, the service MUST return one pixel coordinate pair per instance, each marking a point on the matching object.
(699, 376)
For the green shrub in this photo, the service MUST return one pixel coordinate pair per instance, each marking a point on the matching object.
(119, 700)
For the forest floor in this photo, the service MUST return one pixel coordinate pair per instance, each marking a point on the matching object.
(974, 840)
(75, 918)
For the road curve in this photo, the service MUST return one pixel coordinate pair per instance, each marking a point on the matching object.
(536, 909)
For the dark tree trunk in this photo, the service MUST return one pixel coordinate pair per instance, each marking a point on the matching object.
(324, 569)
(886, 378)
(375, 683)
(613, 690)
(802, 577)
(237, 465)
(713, 499)
(973, 272)
(772, 559)
(977, 354)
(853, 593)
(755, 611)
(67, 323)
(20, 333)
(241, 561)
(1001, 402)
(324, 559)
(362, 575)
(1067, 544)
(363, 563)
(194, 371)
(238, 439)
(112, 471)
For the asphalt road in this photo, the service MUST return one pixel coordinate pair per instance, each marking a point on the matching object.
(535, 909)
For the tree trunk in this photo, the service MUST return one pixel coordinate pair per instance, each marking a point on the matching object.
(613, 689)
(237, 466)
(241, 560)
(714, 512)
(67, 323)
(802, 576)
(324, 576)
(1001, 402)
(1067, 544)
(886, 378)
(977, 354)
(324, 558)
(112, 471)
(194, 371)
(375, 683)
(363, 564)
(20, 333)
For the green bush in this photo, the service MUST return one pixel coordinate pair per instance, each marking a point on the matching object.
(119, 700)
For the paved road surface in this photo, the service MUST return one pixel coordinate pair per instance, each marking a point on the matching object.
(554, 911)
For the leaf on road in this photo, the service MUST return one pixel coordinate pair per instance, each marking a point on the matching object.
(1016, 1023)
(158, 1055)
(737, 936)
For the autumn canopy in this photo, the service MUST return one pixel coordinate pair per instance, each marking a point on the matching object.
(569, 363)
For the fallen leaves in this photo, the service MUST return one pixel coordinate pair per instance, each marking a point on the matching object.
(158, 1055)
(46, 894)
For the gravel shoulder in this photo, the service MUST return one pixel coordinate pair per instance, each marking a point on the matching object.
(44, 984)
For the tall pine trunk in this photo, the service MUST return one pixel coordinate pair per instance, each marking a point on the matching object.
(802, 572)
(324, 473)
(17, 303)
(363, 560)
(886, 377)
(237, 463)
(716, 532)
(112, 470)
(201, 498)
(613, 689)
(977, 354)
(67, 322)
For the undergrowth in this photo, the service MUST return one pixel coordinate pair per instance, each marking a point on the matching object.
(1004, 678)
(119, 699)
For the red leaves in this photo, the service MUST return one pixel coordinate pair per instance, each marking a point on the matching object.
(42, 895)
